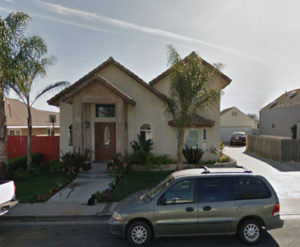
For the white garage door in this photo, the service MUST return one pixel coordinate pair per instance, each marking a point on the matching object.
(226, 132)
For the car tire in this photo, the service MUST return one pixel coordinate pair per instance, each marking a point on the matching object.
(250, 232)
(139, 233)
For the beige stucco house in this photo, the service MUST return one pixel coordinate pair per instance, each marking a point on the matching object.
(105, 109)
(234, 120)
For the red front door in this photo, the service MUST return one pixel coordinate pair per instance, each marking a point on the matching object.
(105, 141)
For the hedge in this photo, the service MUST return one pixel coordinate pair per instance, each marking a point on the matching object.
(21, 162)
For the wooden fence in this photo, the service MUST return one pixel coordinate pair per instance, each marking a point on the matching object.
(48, 145)
(282, 150)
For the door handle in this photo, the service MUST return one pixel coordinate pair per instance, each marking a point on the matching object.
(207, 208)
(189, 209)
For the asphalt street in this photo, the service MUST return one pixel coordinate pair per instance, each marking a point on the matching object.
(96, 233)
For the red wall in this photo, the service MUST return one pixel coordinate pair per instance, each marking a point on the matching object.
(48, 145)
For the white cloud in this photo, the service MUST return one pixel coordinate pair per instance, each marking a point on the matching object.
(62, 10)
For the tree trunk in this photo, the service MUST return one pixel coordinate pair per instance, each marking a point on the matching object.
(3, 138)
(180, 147)
(29, 139)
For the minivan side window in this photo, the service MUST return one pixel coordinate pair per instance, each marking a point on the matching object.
(215, 189)
(180, 192)
(248, 188)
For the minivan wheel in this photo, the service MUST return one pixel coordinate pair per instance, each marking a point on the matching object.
(250, 232)
(139, 233)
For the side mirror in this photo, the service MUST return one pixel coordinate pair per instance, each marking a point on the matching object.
(162, 200)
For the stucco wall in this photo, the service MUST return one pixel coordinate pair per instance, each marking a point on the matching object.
(241, 120)
(212, 113)
(66, 113)
(282, 120)
(149, 109)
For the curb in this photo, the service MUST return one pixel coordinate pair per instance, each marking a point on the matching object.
(55, 218)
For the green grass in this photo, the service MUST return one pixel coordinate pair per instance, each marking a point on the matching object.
(28, 190)
(137, 180)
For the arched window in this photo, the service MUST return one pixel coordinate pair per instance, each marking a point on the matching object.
(192, 139)
(146, 132)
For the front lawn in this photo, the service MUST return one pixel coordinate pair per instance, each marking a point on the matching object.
(29, 189)
(137, 180)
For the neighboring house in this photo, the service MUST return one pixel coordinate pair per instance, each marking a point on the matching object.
(277, 117)
(232, 120)
(16, 119)
(106, 109)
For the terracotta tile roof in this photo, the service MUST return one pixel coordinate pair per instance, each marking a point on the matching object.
(166, 72)
(111, 60)
(16, 115)
(284, 100)
(226, 110)
(198, 121)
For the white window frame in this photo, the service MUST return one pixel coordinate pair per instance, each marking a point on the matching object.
(186, 136)
(148, 132)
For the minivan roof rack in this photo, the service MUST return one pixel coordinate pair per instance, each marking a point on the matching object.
(206, 170)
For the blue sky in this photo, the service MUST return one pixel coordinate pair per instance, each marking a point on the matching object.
(257, 40)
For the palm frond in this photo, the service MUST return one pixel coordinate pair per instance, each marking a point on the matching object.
(53, 86)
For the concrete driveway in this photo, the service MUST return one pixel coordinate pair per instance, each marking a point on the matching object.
(286, 184)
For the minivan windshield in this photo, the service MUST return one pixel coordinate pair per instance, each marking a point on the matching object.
(158, 188)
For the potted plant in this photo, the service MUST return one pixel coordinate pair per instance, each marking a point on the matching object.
(87, 163)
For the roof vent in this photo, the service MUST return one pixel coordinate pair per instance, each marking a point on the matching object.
(292, 94)
(273, 104)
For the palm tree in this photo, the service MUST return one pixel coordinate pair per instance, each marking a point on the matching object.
(32, 67)
(191, 91)
(12, 30)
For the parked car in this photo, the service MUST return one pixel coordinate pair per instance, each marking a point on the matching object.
(7, 196)
(203, 201)
(238, 138)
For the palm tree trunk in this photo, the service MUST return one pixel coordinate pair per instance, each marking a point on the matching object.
(180, 147)
(3, 138)
(29, 138)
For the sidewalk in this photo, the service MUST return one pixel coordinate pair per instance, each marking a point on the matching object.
(59, 211)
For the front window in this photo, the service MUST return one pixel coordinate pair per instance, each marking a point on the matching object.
(105, 110)
(181, 192)
(146, 132)
(192, 139)
(161, 186)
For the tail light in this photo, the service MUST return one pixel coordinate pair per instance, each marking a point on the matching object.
(276, 210)
(15, 187)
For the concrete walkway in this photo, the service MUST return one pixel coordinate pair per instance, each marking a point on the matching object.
(71, 201)
(82, 187)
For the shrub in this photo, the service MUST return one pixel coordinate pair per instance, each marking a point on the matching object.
(221, 147)
(19, 174)
(55, 167)
(21, 162)
(120, 167)
(71, 162)
(224, 158)
(35, 171)
(142, 145)
(152, 160)
(139, 157)
(192, 155)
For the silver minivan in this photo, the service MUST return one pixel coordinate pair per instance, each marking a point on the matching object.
(215, 201)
